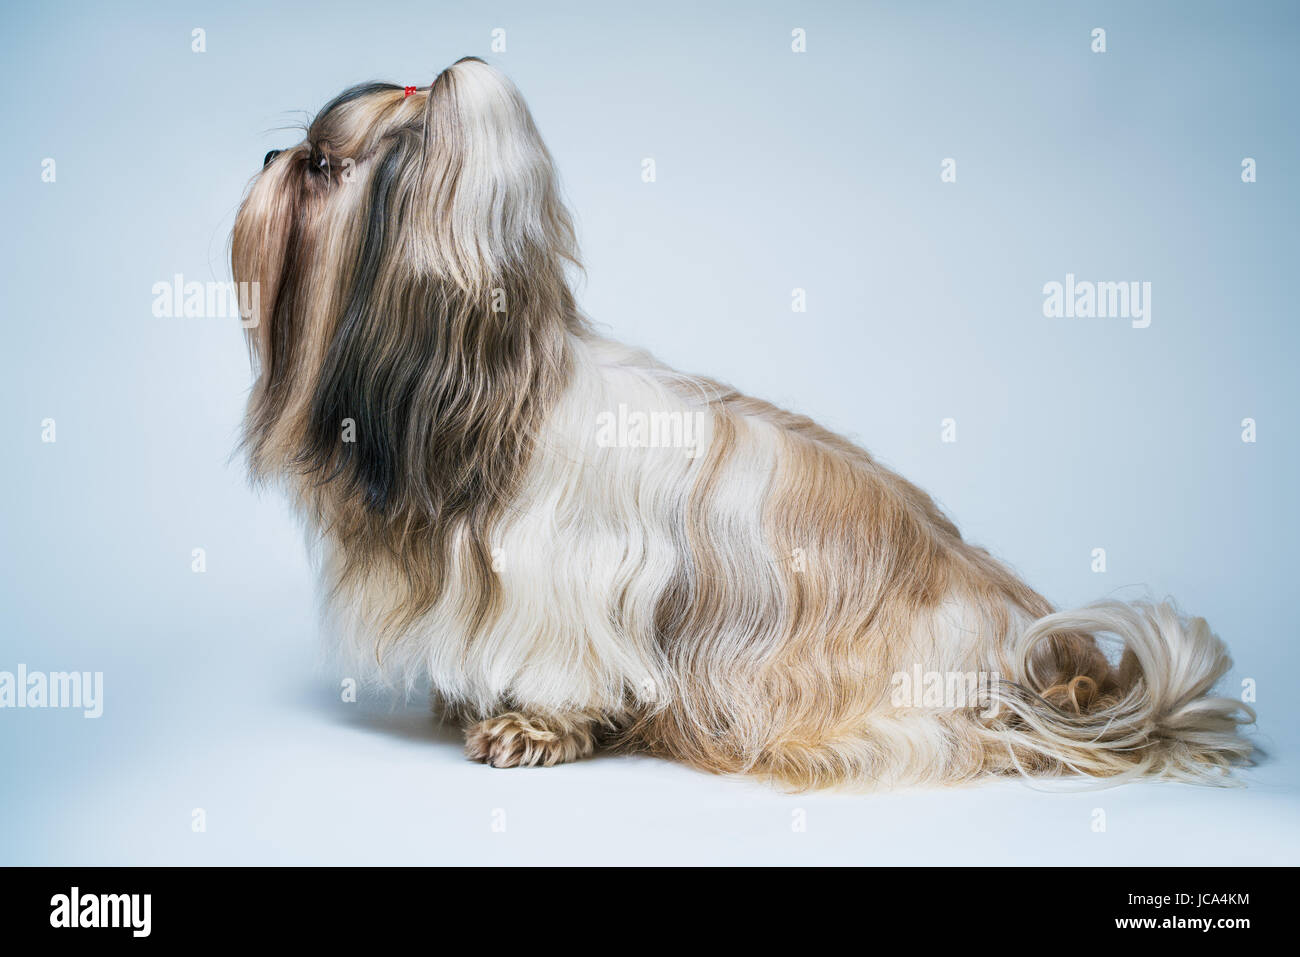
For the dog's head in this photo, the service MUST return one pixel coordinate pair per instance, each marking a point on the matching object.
(410, 255)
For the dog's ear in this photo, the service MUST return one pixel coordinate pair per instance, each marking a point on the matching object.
(450, 341)
(494, 197)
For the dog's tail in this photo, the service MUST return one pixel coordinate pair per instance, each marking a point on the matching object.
(1063, 707)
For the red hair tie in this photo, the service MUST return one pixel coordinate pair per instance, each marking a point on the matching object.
(407, 91)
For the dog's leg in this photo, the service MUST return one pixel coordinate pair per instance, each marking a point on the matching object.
(518, 739)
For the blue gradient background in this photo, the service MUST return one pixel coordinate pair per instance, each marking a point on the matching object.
(775, 171)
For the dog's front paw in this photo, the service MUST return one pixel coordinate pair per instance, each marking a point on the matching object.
(514, 740)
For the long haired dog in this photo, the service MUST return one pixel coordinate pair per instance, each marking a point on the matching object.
(573, 544)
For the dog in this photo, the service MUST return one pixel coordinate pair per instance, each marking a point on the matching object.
(575, 546)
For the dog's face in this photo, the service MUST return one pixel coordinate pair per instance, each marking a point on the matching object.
(410, 255)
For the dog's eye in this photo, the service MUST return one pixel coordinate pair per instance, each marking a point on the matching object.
(319, 162)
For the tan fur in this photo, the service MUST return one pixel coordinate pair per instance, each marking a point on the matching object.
(513, 740)
(746, 606)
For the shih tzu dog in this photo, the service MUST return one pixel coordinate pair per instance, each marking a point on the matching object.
(574, 545)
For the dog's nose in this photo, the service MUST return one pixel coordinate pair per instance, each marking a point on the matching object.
(266, 161)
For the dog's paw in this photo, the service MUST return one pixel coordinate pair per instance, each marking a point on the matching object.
(515, 740)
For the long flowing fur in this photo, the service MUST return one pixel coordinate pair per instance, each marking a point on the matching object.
(742, 598)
